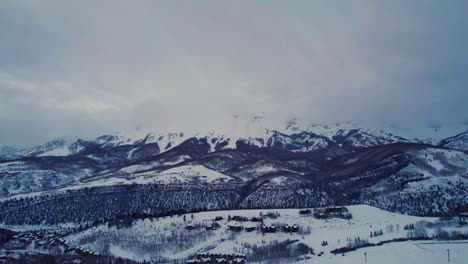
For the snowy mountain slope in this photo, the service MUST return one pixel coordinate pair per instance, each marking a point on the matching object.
(298, 135)
(155, 164)
(184, 174)
(115, 181)
(6, 150)
(338, 159)
(18, 177)
(56, 147)
(61, 147)
(8, 153)
(459, 142)
(398, 177)
(353, 136)
(429, 169)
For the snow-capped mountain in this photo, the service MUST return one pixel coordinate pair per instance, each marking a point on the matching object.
(340, 163)
(7, 152)
(352, 135)
(57, 147)
(295, 137)
(459, 142)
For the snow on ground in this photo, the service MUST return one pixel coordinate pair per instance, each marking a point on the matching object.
(434, 156)
(58, 152)
(154, 164)
(283, 181)
(459, 142)
(12, 166)
(168, 237)
(130, 153)
(440, 168)
(197, 171)
(177, 175)
(427, 252)
(181, 174)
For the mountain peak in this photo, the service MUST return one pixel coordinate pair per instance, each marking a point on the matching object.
(458, 142)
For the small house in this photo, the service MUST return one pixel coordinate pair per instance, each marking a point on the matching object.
(250, 227)
(305, 211)
(235, 226)
(268, 228)
(206, 260)
(335, 209)
(213, 226)
(238, 261)
(239, 218)
(332, 212)
(256, 219)
(290, 228)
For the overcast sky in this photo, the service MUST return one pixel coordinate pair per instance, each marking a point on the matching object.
(81, 68)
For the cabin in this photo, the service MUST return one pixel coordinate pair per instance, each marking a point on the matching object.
(218, 218)
(256, 219)
(332, 212)
(238, 261)
(291, 228)
(235, 226)
(213, 226)
(250, 227)
(268, 228)
(335, 209)
(239, 218)
(305, 211)
(205, 260)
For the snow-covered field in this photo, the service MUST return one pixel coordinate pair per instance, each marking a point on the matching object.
(168, 238)
(402, 253)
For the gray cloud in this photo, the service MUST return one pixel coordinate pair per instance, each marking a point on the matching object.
(86, 67)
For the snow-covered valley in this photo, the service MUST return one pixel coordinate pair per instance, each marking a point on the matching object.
(183, 237)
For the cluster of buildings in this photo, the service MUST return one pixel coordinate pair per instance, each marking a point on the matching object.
(332, 212)
(46, 241)
(328, 212)
(216, 258)
(264, 228)
(238, 223)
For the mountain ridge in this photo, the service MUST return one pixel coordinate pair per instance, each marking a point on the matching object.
(347, 133)
(352, 165)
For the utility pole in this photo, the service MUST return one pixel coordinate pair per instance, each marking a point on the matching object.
(365, 257)
(448, 255)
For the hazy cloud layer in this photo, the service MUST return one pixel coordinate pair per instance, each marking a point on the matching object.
(79, 68)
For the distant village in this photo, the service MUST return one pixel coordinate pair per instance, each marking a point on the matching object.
(52, 241)
(240, 223)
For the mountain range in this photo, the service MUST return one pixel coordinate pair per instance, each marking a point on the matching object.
(337, 164)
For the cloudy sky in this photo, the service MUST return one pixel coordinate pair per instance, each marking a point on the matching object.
(80, 68)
